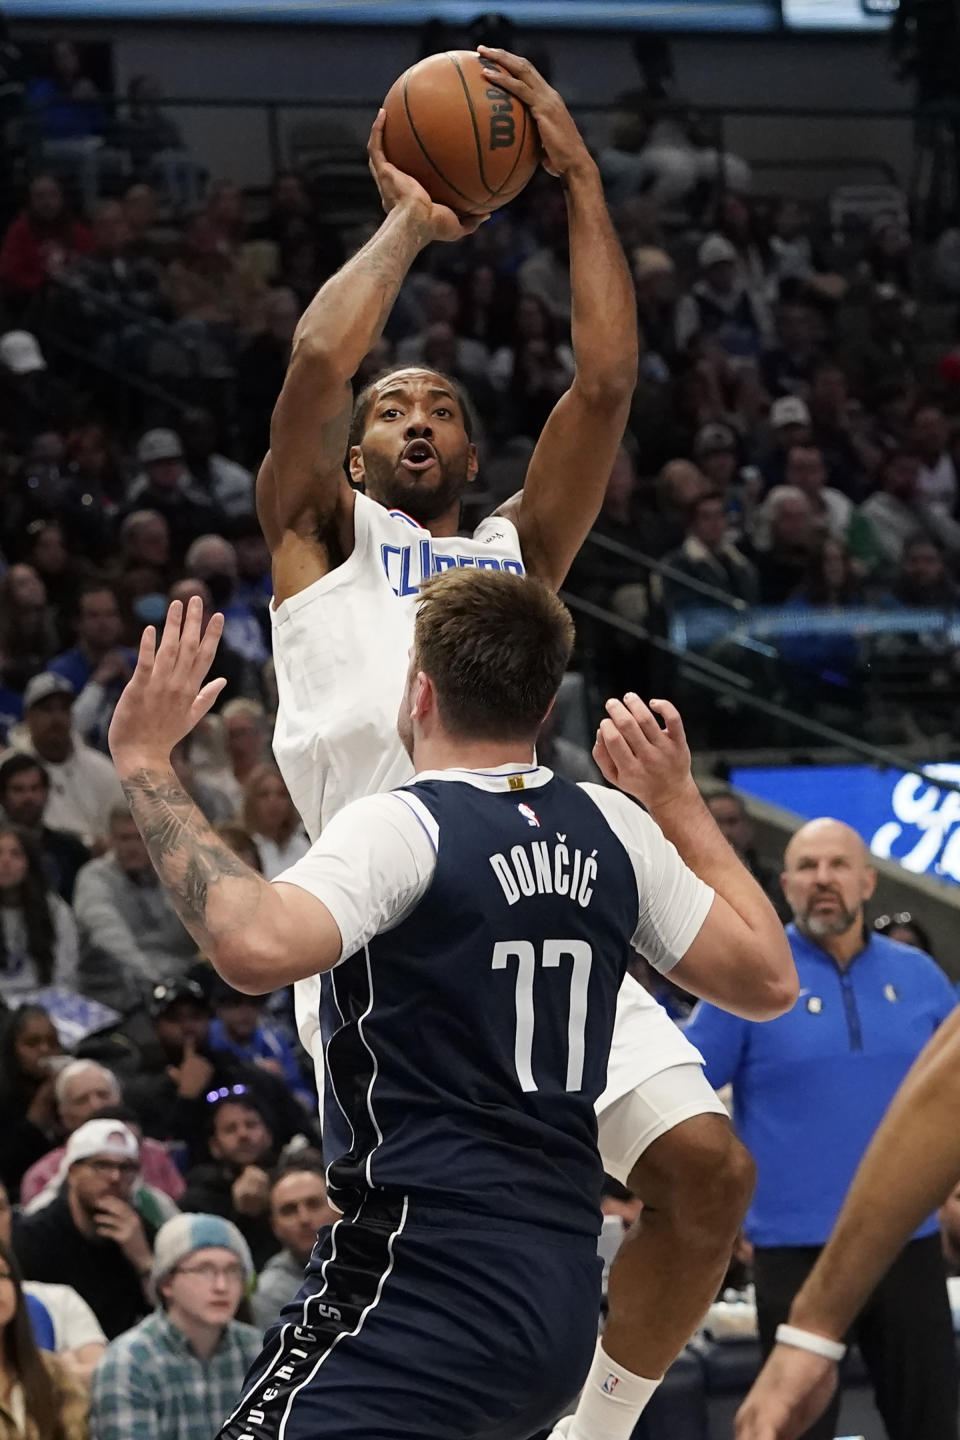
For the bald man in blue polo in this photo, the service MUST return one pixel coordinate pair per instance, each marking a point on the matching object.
(809, 1090)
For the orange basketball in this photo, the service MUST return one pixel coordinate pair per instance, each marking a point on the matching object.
(471, 145)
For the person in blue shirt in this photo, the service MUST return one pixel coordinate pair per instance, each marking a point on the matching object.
(809, 1090)
(98, 666)
(239, 1028)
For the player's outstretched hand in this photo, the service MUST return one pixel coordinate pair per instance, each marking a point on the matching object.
(398, 189)
(792, 1391)
(634, 752)
(166, 697)
(564, 149)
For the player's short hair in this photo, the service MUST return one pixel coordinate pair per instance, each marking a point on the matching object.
(495, 646)
(361, 406)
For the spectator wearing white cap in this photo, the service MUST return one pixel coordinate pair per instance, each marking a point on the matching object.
(31, 399)
(178, 1374)
(719, 305)
(165, 485)
(83, 783)
(90, 1236)
(789, 424)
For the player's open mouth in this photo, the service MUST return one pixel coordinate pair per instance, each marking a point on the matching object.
(418, 456)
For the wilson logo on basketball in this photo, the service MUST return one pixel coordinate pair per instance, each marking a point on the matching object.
(502, 125)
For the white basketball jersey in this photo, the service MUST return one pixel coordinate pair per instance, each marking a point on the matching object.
(341, 650)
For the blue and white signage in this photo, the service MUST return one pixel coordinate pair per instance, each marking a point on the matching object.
(904, 817)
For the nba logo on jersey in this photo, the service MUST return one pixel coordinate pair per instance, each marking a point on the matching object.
(529, 815)
(610, 1384)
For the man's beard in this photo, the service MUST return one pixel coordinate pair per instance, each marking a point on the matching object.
(825, 927)
(384, 482)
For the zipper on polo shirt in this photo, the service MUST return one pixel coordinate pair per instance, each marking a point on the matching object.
(851, 1012)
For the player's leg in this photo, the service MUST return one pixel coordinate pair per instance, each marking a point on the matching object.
(905, 1334)
(671, 1143)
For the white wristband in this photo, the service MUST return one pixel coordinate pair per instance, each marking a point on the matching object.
(806, 1340)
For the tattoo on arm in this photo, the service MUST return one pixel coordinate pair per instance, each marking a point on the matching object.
(213, 891)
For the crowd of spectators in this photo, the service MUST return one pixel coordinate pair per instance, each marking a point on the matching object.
(790, 469)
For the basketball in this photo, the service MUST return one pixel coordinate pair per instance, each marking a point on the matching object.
(471, 145)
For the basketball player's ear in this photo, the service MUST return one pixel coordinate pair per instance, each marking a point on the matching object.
(423, 699)
(356, 466)
(473, 464)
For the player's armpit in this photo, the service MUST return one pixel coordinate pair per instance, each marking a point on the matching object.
(737, 969)
(566, 480)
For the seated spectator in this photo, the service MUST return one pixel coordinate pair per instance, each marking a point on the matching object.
(929, 438)
(298, 1210)
(887, 353)
(83, 1089)
(787, 366)
(782, 540)
(130, 934)
(243, 678)
(24, 793)
(796, 267)
(531, 374)
(239, 1028)
(111, 288)
(98, 666)
(41, 1397)
(47, 552)
(28, 1045)
(216, 805)
(254, 586)
(905, 928)
(148, 240)
(155, 144)
(38, 937)
(655, 284)
(719, 304)
(270, 816)
(66, 101)
(179, 1371)
(708, 556)
(261, 367)
(31, 399)
(806, 470)
(61, 1321)
(214, 561)
(90, 1236)
(145, 547)
(790, 425)
(814, 659)
(212, 288)
(235, 1183)
(166, 485)
(40, 242)
(246, 735)
(679, 485)
(228, 484)
(28, 628)
(83, 783)
(922, 580)
(736, 825)
(839, 429)
(887, 261)
(171, 1089)
(895, 512)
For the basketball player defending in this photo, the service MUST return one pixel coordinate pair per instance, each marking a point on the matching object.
(472, 929)
(347, 564)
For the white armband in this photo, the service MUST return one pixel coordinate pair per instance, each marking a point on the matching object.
(806, 1340)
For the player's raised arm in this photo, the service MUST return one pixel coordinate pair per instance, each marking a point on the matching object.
(303, 499)
(912, 1162)
(740, 959)
(571, 464)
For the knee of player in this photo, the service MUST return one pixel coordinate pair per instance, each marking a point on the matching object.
(702, 1178)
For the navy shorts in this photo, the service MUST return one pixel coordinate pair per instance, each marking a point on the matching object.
(427, 1324)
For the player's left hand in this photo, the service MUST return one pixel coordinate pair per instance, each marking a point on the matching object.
(634, 752)
(564, 149)
(792, 1391)
(166, 697)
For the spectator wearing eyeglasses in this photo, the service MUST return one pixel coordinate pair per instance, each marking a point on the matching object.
(177, 1374)
(90, 1237)
(236, 1184)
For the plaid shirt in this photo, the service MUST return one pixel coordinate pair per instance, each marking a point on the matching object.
(150, 1385)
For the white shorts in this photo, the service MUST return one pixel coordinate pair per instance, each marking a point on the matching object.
(632, 1123)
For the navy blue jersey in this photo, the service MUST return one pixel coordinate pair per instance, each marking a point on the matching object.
(467, 1046)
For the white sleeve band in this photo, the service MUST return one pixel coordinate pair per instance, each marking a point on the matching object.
(806, 1340)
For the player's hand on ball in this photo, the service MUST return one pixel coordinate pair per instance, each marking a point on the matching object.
(792, 1391)
(649, 762)
(166, 696)
(398, 189)
(564, 149)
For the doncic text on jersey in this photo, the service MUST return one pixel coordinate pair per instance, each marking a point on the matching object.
(546, 869)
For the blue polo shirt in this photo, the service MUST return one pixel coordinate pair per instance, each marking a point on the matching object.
(810, 1088)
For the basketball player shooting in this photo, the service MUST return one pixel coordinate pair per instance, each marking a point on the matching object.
(470, 931)
(347, 563)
